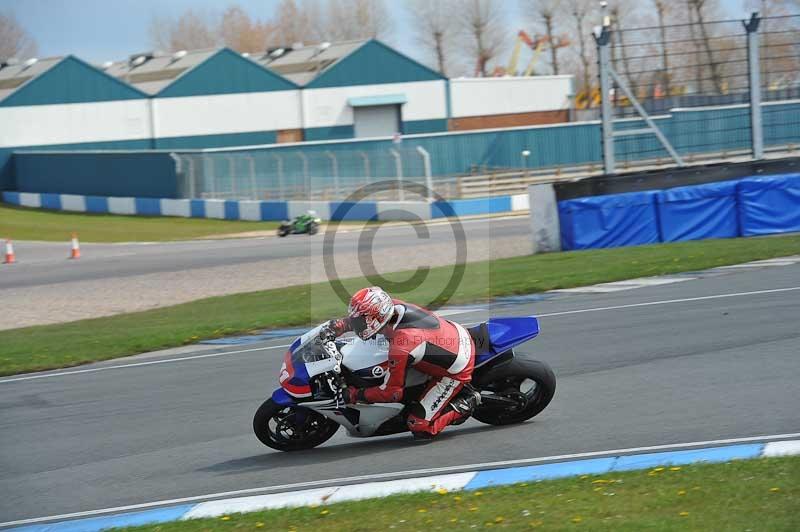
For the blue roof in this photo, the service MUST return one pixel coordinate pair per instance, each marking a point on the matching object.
(62, 81)
(373, 63)
(225, 72)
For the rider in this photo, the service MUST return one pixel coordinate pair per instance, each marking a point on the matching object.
(419, 338)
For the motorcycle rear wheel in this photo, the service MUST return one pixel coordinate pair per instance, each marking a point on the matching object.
(510, 381)
(291, 428)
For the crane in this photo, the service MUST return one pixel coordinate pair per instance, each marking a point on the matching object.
(538, 45)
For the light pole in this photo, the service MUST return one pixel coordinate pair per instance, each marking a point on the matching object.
(525, 154)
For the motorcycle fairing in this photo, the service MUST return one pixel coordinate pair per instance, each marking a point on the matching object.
(506, 333)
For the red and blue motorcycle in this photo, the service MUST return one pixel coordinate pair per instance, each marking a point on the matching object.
(307, 409)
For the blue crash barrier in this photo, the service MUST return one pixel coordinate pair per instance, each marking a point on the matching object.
(698, 212)
(609, 221)
(746, 207)
(769, 205)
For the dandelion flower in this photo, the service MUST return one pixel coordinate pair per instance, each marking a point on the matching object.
(457, 498)
(682, 492)
(499, 519)
(422, 510)
(658, 469)
(454, 520)
(441, 491)
(683, 514)
(773, 490)
(473, 509)
(324, 512)
(259, 525)
(675, 468)
(226, 518)
(600, 481)
(478, 493)
(577, 519)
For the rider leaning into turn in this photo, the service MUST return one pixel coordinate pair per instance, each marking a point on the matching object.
(419, 338)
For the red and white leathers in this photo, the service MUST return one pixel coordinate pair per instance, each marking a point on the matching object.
(432, 345)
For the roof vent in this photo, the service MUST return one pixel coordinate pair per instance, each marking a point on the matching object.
(180, 54)
(107, 65)
(297, 45)
(140, 59)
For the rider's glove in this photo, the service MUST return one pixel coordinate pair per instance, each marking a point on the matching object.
(350, 395)
(327, 332)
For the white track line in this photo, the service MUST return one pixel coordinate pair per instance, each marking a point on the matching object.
(668, 301)
(137, 364)
(407, 474)
(564, 313)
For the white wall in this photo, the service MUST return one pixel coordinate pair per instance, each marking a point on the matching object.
(227, 113)
(42, 125)
(507, 95)
(328, 107)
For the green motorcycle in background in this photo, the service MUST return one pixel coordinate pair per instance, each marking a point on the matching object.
(307, 223)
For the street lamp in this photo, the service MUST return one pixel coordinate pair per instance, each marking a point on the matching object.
(525, 155)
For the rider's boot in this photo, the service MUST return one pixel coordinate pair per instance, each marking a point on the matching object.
(465, 402)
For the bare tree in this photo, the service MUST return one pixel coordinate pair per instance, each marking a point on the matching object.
(547, 14)
(358, 19)
(433, 27)
(662, 9)
(238, 31)
(190, 31)
(14, 40)
(483, 29)
(699, 7)
(581, 13)
(297, 23)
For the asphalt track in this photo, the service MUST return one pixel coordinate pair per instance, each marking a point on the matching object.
(705, 359)
(45, 263)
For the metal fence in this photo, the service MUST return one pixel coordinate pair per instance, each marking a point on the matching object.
(670, 95)
(701, 88)
(268, 174)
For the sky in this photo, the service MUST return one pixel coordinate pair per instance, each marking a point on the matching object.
(106, 30)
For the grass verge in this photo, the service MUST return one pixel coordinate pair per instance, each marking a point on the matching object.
(22, 223)
(744, 495)
(70, 344)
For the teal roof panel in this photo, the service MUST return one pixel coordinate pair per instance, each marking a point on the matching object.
(225, 72)
(373, 63)
(67, 80)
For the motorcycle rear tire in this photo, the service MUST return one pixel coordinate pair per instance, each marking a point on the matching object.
(270, 409)
(537, 371)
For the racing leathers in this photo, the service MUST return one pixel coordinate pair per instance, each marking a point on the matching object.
(420, 339)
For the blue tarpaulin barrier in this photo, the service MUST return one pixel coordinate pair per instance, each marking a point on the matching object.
(698, 212)
(609, 221)
(769, 205)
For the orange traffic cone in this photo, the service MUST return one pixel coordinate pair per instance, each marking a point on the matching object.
(10, 257)
(76, 247)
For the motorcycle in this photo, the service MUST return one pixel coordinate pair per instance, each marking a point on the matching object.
(304, 224)
(307, 409)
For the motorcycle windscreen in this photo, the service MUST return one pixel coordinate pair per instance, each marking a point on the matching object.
(505, 333)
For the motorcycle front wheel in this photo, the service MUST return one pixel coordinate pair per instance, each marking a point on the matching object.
(291, 428)
(529, 385)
